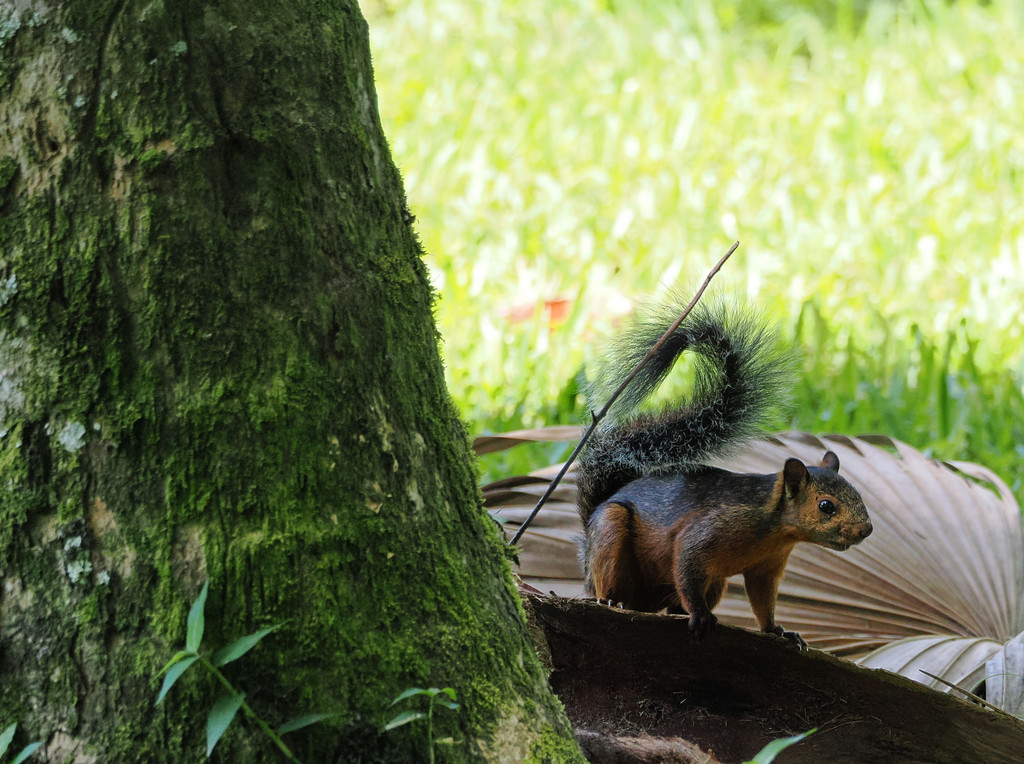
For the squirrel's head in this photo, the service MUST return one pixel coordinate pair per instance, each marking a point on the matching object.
(831, 511)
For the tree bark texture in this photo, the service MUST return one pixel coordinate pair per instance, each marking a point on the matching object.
(218, 361)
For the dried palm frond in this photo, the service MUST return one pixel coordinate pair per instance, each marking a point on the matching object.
(946, 560)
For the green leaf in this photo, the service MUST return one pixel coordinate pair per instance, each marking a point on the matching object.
(27, 751)
(221, 714)
(449, 691)
(448, 704)
(6, 737)
(173, 675)
(302, 721)
(404, 718)
(180, 655)
(409, 693)
(767, 754)
(241, 646)
(196, 621)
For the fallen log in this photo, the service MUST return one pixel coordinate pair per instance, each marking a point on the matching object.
(638, 688)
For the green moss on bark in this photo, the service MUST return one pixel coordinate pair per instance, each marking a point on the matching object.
(219, 362)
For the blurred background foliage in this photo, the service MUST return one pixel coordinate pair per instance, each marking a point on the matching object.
(569, 159)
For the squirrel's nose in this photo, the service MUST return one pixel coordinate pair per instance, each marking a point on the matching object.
(864, 530)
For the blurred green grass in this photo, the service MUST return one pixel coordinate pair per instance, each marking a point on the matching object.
(567, 158)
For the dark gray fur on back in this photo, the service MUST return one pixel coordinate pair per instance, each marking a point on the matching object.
(741, 380)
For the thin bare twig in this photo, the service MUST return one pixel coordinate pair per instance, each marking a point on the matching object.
(618, 391)
(967, 693)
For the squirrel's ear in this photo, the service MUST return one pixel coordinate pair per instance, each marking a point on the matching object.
(831, 461)
(794, 474)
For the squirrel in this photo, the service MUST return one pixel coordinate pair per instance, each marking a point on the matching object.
(665, 530)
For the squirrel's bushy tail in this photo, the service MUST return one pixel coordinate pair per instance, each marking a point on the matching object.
(742, 379)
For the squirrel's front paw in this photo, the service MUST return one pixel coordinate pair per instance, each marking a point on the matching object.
(702, 624)
(792, 636)
(796, 639)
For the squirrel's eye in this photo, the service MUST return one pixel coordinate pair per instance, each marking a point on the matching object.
(827, 507)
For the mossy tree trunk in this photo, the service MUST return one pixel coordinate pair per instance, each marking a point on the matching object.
(218, 361)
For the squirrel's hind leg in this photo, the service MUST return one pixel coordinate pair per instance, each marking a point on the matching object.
(613, 574)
